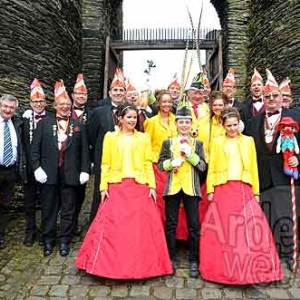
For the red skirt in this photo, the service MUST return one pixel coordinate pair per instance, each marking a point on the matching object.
(236, 231)
(181, 231)
(126, 239)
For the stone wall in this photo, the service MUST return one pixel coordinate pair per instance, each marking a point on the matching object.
(100, 19)
(274, 31)
(234, 15)
(38, 39)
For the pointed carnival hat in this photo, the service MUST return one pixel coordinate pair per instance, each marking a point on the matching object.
(256, 77)
(80, 86)
(230, 78)
(288, 121)
(285, 87)
(197, 83)
(118, 80)
(60, 91)
(175, 81)
(129, 86)
(271, 84)
(183, 110)
(37, 91)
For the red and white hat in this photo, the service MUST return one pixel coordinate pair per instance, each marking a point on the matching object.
(118, 80)
(271, 84)
(60, 91)
(230, 79)
(80, 86)
(36, 90)
(285, 87)
(129, 86)
(175, 81)
(256, 77)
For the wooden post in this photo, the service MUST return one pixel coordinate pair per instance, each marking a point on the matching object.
(220, 59)
(106, 68)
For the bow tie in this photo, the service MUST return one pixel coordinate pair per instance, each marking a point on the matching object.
(230, 101)
(270, 114)
(39, 117)
(58, 118)
(256, 100)
(78, 108)
(182, 141)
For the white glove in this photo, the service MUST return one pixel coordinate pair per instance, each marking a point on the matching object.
(27, 114)
(241, 126)
(84, 177)
(40, 175)
(176, 162)
(186, 148)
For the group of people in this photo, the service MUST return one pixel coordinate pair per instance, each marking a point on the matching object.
(186, 164)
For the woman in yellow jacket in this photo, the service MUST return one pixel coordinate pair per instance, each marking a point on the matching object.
(126, 239)
(161, 127)
(235, 229)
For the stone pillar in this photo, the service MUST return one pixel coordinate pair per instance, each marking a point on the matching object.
(274, 34)
(234, 17)
(100, 19)
(38, 39)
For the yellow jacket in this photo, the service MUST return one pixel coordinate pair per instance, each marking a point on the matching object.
(159, 131)
(141, 163)
(218, 163)
(202, 125)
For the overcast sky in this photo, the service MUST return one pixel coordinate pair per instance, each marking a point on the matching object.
(162, 14)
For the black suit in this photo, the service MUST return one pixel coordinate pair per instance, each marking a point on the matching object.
(31, 187)
(59, 192)
(81, 188)
(274, 184)
(9, 175)
(100, 122)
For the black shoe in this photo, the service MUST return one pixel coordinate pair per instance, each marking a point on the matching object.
(77, 230)
(64, 249)
(2, 243)
(29, 239)
(48, 249)
(194, 272)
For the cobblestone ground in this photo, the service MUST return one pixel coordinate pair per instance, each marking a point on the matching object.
(26, 274)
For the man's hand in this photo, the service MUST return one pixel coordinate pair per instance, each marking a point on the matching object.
(40, 175)
(293, 161)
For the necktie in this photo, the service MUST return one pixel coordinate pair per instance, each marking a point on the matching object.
(39, 117)
(7, 149)
(270, 114)
(256, 100)
(195, 109)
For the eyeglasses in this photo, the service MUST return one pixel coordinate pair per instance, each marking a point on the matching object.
(38, 101)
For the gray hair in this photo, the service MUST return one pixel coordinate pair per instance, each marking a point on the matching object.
(8, 97)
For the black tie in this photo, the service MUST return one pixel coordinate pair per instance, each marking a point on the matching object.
(270, 113)
(257, 100)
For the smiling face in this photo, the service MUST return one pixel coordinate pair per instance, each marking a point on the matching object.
(174, 91)
(183, 126)
(256, 89)
(63, 107)
(286, 100)
(117, 95)
(8, 109)
(129, 120)
(38, 105)
(79, 99)
(229, 90)
(217, 106)
(165, 103)
(196, 97)
(231, 125)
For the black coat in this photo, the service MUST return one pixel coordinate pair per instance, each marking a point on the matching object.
(44, 151)
(27, 142)
(270, 163)
(100, 122)
(21, 161)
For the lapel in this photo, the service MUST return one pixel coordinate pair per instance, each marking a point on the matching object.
(261, 130)
(109, 117)
(54, 133)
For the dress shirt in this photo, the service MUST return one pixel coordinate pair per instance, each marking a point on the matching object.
(14, 141)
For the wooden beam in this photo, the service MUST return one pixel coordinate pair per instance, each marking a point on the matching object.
(159, 45)
(220, 60)
(106, 67)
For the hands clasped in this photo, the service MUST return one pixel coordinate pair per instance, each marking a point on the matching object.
(176, 162)
(186, 149)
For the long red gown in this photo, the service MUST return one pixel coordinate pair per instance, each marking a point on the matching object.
(126, 239)
(236, 243)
